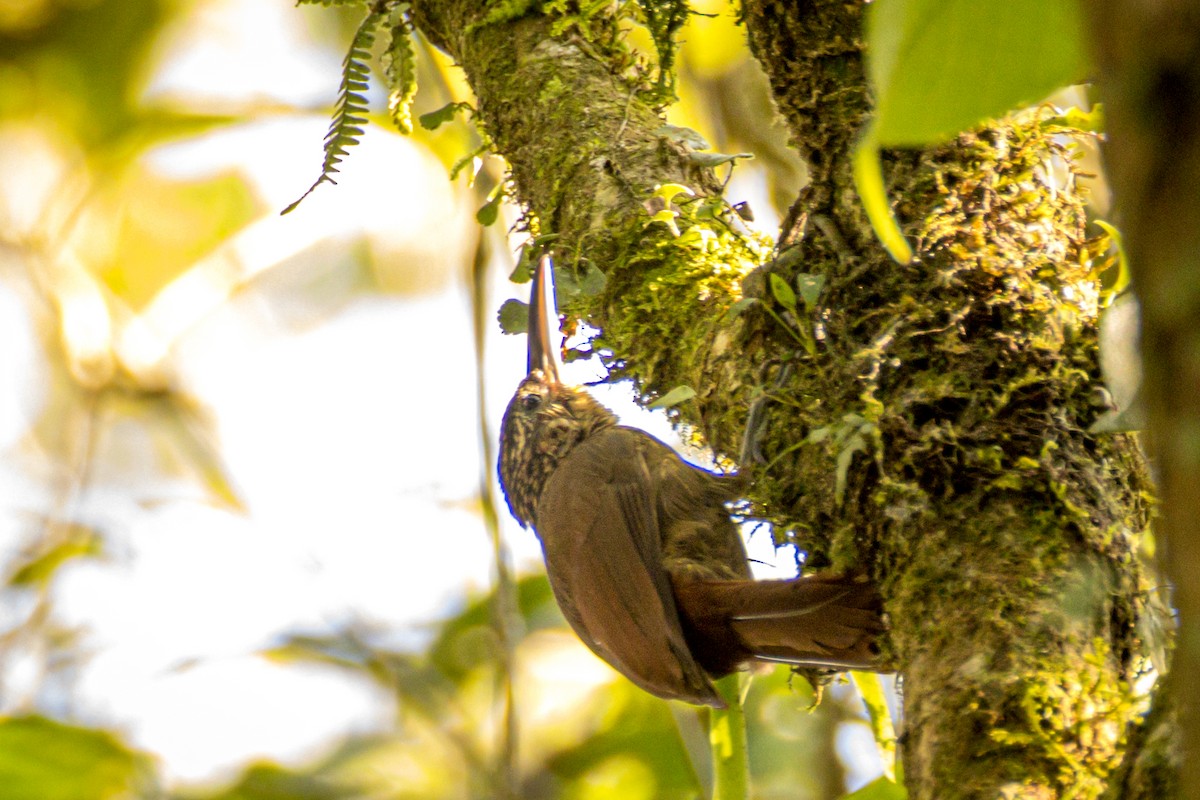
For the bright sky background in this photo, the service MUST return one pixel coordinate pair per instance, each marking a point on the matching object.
(353, 441)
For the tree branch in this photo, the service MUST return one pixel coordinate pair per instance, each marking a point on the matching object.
(929, 421)
(949, 409)
(1149, 59)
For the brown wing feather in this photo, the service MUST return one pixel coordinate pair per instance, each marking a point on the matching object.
(601, 539)
(816, 621)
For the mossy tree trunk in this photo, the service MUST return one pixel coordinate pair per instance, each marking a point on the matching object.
(927, 423)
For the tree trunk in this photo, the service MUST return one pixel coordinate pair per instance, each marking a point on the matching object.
(1149, 59)
(927, 423)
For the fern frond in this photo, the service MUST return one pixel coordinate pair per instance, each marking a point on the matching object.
(351, 111)
(400, 70)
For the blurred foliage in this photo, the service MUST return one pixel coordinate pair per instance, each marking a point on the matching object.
(44, 760)
(114, 258)
(49, 52)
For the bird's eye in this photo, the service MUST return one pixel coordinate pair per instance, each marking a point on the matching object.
(531, 401)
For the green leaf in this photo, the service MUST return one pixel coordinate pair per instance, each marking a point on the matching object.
(740, 306)
(1076, 119)
(716, 159)
(879, 789)
(523, 271)
(667, 192)
(39, 568)
(41, 759)
(942, 66)
(586, 280)
(870, 687)
(700, 238)
(727, 739)
(782, 292)
(674, 397)
(513, 317)
(868, 181)
(667, 217)
(685, 136)
(489, 212)
(1118, 241)
(810, 287)
(435, 119)
(265, 781)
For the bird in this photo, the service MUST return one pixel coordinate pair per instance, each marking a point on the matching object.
(642, 556)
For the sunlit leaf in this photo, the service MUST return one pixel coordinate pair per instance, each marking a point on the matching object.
(674, 397)
(41, 759)
(1077, 119)
(942, 66)
(79, 541)
(1123, 275)
(638, 752)
(868, 182)
(667, 217)
(870, 688)
(667, 192)
(162, 226)
(782, 292)
(272, 782)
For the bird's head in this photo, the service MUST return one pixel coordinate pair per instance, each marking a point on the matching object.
(545, 418)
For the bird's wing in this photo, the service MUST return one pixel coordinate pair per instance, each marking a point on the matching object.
(601, 539)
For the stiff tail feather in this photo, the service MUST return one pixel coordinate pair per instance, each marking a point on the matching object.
(822, 621)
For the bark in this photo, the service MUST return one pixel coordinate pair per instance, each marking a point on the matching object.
(1149, 78)
(928, 423)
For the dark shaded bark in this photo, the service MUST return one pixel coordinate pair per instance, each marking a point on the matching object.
(1149, 78)
(933, 429)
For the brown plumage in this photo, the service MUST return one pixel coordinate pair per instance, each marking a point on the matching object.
(642, 556)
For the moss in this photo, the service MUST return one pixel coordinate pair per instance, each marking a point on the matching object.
(927, 423)
(938, 436)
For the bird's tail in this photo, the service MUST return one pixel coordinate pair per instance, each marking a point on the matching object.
(823, 621)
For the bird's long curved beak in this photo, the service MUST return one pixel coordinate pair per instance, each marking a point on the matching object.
(543, 355)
